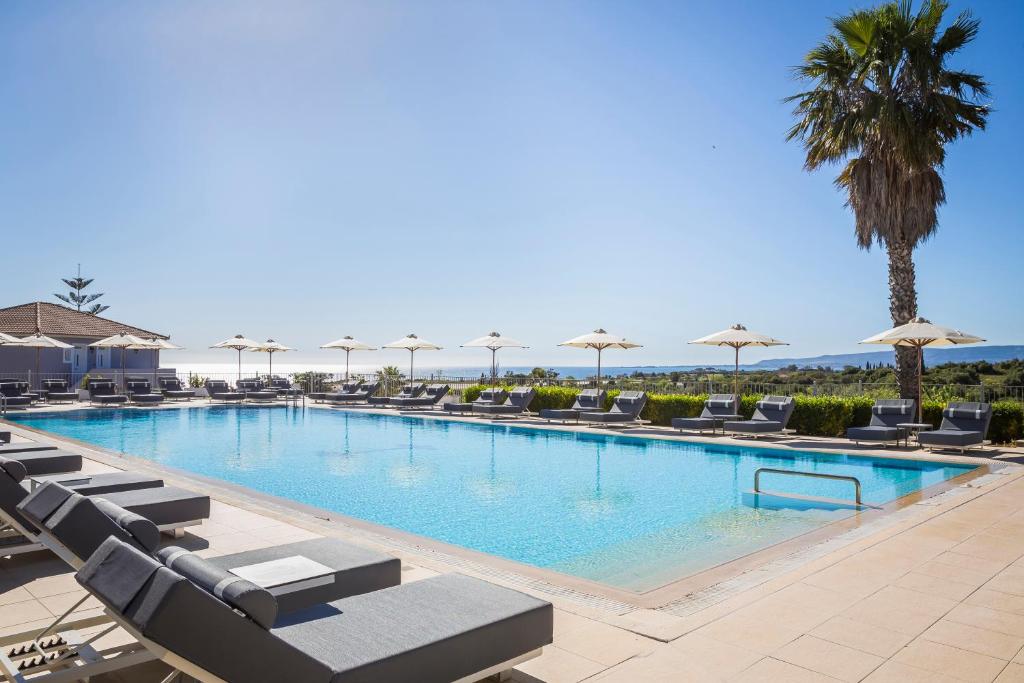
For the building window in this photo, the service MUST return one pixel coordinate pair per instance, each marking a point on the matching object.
(68, 354)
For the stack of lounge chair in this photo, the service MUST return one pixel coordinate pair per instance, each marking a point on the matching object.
(219, 390)
(718, 409)
(356, 392)
(57, 391)
(408, 391)
(431, 396)
(283, 387)
(964, 424)
(886, 416)
(140, 392)
(771, 416)
(104, 392)
(174, 390)
(516, 404)
(13, 394)
(587, 401)
(255, 391)
(626, 409)
(487, 397)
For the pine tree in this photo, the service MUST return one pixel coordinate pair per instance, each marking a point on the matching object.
(76, 298)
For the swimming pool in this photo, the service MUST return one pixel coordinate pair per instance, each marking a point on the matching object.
(629, 512)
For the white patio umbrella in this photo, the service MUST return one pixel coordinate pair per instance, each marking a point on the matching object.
(495, 341)
(8, 339)
(160, 345)
(238, 343)
(270, 347)
(124, 341)
(39, 341)
(348, 344)
(600, 340)
(920, 333)
(737, 337)
(413, 344)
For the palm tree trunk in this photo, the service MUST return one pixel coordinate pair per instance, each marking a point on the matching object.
(902, 308)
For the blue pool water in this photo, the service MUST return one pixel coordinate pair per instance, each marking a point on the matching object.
(625, 511)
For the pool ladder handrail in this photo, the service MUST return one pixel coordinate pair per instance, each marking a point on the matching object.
(800, 473)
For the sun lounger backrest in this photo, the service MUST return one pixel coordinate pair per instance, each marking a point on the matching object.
(630, 403)
(10, 389)
(521, 397)
(171, 383)
(102, 387)
(349, 387)
(218, 386)
(12, 492)
(889, 412)
(81, 523)
(495, 396)
(255, 602)
(720, 404)
(58, 385)
(367, 390)
(138, 386)
(437, 391)
(173, 612)
(774, 409)
(967, 416)
(590, 400)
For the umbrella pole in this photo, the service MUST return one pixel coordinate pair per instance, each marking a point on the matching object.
(239, 378)
(920, 371)
(736, 374)
(347, 351)
(598, 368)
(270, 354)
(494, 370)
(37, 367)
(412, 355)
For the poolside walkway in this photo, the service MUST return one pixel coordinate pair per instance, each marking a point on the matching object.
(934, 592)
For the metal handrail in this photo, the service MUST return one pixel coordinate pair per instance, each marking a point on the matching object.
(817, 475)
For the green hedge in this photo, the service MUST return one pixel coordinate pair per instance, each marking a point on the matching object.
(812, 415)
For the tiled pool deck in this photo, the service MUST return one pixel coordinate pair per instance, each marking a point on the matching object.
(931, 592)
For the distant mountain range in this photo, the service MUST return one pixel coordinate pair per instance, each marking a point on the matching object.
(949, 354)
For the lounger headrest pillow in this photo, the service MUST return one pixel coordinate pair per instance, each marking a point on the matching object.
(116, 573)
(963, 411)
(15, 469)
(718, 403)
(141, 529)
(899, 409)
(45, 500)
(772, 405)
(256, 603)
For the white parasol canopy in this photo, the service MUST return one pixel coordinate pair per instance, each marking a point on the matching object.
(124, 341)
(348, 344)
(600, 340)
(8, 339)
(737, 337)
(270, 347)
(41, 341)
(495, 341)
(413, 344)
(920, 333)
(238, 343)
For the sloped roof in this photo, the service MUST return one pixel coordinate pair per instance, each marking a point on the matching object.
(58, 321)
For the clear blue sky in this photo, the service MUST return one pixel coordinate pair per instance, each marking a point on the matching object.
(305, 170)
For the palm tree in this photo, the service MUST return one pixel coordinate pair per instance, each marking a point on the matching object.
(884, 101)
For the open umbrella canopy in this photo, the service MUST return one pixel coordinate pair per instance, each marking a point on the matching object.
(41, 341)
(238, 343)
(125, 341)
(737, 337)
(495, 341)
(163, 345)
(600, 340)
(348, 345)
(270, 347)
(413, 344)
(920, 333)
(8, 339)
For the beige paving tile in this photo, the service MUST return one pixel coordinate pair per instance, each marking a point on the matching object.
(977, 564)
(560, 666)
(1007, 582)
(770, 670)
(713, 656)
(983, 641)
(1013, 673)
(663, 665)
(997, 600)
(13, 594)
(23, 612)
(751, 633)
(604, 644)
(868, 638)
(993, 620)
(933, 585)
(566, 621)
(896, 672)
(53, 585)
(912, 601)
(989, 548)
(951, 661)
(831, 659)
(954, 572)
(892, 618)
(59, 604)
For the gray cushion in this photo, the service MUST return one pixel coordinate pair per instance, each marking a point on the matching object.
(15, 469)
(699, 423)
(559, 413)
(107, 482)
(50, 461)
(950, 437)
(255, 602)
(753, 426)
(166, 505)
(873, 433)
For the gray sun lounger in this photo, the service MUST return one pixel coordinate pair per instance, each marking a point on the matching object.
(488, 397)
(361, 393)
(13, 394)
(44, 459)
(174, 390)
(431, 396)
(104, 392)
(964, 424)
(770, 417)
(517, 404)
(219, 390)
(587, 401)
(140, 392)
(886, 414)
(254, 390)
(626, 409)
(57, 391)
(346, 388)
(717, 409)
(440, 629)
